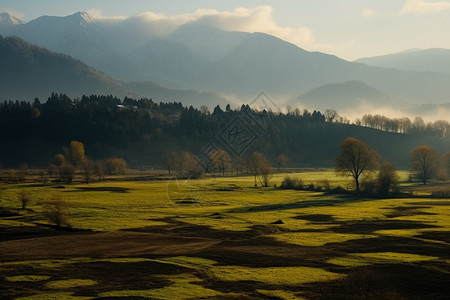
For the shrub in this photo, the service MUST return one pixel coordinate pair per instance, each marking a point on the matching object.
(24, 198)
(292, 183)
(325, 184)
(369, 186)
(338, 190)
(57, 212)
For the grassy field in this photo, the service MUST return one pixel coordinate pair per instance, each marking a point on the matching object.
(222, 238)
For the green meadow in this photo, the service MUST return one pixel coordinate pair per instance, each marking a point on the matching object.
(223, 238)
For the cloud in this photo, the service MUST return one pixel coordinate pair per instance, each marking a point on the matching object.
(12, 12)
(424, 7)
(98, 15)
(258, 19)
(367, 12)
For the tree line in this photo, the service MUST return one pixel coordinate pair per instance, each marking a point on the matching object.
(141, 131)
(418, 126)
(359, 161)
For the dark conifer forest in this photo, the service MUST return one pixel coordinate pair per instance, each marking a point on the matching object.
(142, 131)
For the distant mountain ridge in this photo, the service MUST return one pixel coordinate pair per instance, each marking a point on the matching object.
(237, 64)
(428, 60)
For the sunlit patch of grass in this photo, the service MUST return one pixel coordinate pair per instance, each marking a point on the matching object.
(54, 296)
(399, 232)
(274, 275)
(46, 263)
(120, 260)
(348, 261)
(394, 257)
(315, 239)
(280, 294)
(70, 283)
(232, 224)
(439, 214)
(361, 259)
(184, 286)
(14, 223)
(30, 278)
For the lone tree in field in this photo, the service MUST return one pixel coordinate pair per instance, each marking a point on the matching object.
(424, 162)
(261, 168)
(171, 161)
(355, 158)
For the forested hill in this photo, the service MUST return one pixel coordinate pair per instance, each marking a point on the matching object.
(28, 71)
(141, 131)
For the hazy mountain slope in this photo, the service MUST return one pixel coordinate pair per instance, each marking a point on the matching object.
(433, 60)
(209, 59)
(343, 95)
(79, 36)
(29, 71)
(196, 98)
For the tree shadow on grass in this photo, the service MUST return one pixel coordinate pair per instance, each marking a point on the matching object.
(302, 204)
(111, 189)
(386, 281)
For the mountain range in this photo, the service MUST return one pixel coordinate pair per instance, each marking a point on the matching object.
(195, 61)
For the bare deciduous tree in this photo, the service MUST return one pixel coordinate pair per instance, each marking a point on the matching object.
(66, 173)
(355, 158)
(281, 161)
(260, 168)
(115, 165)
(424, 162)
(171, 161)
(189, 165)
(220, 160)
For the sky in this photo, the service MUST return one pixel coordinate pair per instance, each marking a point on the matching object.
(350, 29)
